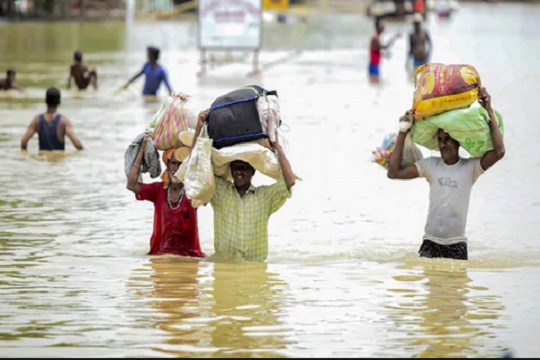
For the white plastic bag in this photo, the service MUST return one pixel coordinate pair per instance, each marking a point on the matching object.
(269, 115)
(198, 174)
(191, 109)
(411, 153)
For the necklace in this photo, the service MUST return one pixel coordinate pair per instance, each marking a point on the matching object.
(178, 201)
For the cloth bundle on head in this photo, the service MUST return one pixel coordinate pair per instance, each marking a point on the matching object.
(440, 88)
(179, 154)
(259, 157)
(150, 162)
(468, 126)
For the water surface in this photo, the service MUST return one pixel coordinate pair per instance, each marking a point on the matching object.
(342, 277)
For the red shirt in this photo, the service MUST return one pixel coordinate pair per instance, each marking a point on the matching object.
(175, 231)
(374, 55)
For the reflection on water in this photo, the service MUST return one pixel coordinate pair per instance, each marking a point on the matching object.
(447, 315)
(247, 306)
(175, 295)
(218, 309)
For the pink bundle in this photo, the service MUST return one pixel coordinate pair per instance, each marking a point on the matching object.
(171, 121)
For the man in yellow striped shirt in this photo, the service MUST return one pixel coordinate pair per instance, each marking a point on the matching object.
(241, 211)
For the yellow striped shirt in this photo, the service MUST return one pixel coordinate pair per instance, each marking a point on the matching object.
(241, 223)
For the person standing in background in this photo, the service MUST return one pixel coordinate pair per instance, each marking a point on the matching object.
(154, 74)
(9, 82)
(82, 75)
(375, 51)
(51, 126)
(420, 45)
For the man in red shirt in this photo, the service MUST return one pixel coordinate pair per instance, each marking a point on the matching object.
(175, 220)
(375, 48)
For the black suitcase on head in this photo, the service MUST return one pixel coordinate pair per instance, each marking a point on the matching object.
(233, 117)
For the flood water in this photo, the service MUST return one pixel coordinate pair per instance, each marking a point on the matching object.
(342, 277)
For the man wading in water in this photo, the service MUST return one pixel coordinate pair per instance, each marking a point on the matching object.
(154, 74)
(419, 44)
(175, 220)
(451, 179)
(51, 126)
(9, 82)
(375, 51)
(241, 210)
(82, 75)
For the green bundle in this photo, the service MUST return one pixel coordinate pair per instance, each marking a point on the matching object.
(468, 126)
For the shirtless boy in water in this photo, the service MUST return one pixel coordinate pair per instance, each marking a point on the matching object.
(82, 75)
(420, 46)
(9, 82)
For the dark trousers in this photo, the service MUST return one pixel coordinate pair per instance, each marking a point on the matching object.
(431, 249)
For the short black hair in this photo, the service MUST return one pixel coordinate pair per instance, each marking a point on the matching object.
(77, 55)
(154, 51)
(52, 96)
(10, 71)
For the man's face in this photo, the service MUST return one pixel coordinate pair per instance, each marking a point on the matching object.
(173, 165)
(448, 147)
(381, 27)
(11, 78)
(241, 173)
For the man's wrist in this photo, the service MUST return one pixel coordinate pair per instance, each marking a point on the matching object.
(491, 116)
(404, 126)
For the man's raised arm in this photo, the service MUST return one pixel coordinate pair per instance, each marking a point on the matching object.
(395, 171)
(492, 156)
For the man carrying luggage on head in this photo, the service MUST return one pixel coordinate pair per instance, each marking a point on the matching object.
(241, 210)
(451, 179)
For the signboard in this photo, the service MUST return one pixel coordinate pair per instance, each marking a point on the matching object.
(276, 5)
(230, 24)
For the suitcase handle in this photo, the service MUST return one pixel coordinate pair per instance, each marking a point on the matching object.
(219, 106)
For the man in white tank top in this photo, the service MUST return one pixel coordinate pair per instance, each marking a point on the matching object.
(451, 179)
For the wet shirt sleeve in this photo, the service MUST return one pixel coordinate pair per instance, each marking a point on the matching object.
(145, 67)
(277, 195)
(477, 169)
(424, 168)
(221, 186)
(148, 192)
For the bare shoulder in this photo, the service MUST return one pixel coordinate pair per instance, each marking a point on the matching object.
(34, 121)
(64, 121)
